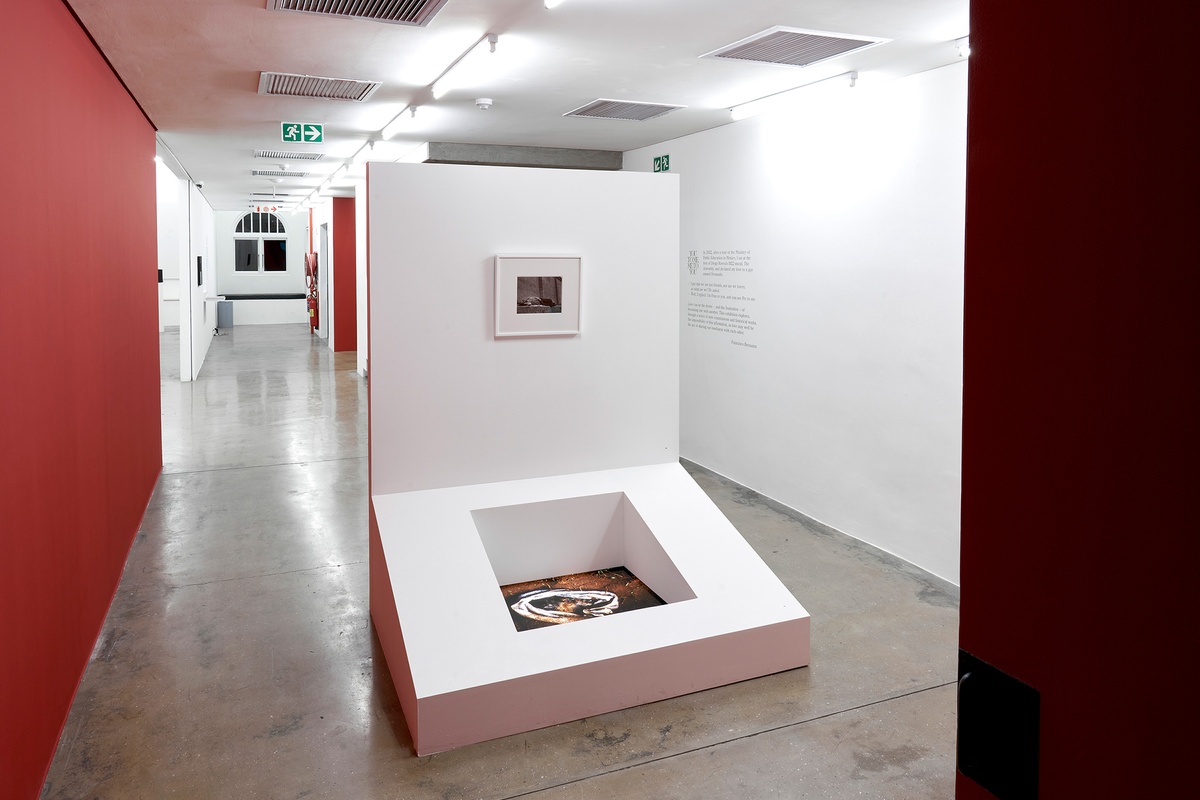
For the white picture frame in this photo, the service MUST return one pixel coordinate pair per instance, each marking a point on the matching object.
(537, 295)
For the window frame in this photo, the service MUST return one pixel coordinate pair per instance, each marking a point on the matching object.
(255, 226)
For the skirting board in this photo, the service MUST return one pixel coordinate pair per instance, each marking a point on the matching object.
(462, 671)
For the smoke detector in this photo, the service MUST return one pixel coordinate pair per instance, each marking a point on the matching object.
(484, 103)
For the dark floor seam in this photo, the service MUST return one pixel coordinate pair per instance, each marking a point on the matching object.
(726, 741)
(265, 575)
(265, 466)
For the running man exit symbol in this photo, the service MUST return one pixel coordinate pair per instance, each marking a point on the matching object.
(306, 132)
(662, 163)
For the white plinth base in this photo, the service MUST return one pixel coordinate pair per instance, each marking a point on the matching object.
(269, 312)
(464, 674)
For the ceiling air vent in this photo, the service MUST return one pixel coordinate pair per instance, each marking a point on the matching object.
(277, 173)
(793, 47)
(311, 86)
(399, 12)
(288, 155)
(621, 109)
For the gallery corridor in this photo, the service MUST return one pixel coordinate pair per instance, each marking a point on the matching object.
(238, 659)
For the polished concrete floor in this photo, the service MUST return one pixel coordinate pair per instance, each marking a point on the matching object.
(239, 661)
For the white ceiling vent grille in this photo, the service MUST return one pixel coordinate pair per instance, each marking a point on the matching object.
(288, 155)
(793, 47)
(621, 109)
(277, 173)
(399, 12)
(311, 86)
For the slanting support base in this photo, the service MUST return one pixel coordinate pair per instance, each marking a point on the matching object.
(464, 674)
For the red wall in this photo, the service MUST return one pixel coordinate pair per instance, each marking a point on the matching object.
(79, 387)
(1080, 396)
(345, 277)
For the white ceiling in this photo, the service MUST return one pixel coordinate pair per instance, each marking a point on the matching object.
(194, 67)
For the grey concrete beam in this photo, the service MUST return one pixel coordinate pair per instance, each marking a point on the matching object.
(519, 156)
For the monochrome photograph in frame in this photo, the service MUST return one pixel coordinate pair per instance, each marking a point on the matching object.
(537, 295)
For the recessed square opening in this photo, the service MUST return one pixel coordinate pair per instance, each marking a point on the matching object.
(586, 539)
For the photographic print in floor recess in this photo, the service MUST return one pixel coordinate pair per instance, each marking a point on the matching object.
(571, 598)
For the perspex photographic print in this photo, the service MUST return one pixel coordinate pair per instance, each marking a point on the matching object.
(537, 295)
(573, 598)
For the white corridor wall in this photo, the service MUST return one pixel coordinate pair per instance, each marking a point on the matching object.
(821, 307)
(231, 282)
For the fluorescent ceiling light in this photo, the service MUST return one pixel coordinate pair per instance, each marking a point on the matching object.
(553, 3)
(402, 119)
(785, 98)
(417, 155)
(364, 153)
(467, 68)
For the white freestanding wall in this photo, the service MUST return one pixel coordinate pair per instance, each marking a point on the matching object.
(464, 407)
(476, 439)
(202, 312)
(822, 261)
(171, 206)
(322, 236)
(185, 233)
(325, 234)
(360, 283)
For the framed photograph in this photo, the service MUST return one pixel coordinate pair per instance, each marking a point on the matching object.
(537, 295)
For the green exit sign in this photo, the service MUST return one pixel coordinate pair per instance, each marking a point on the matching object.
(662, 163)
(302, 132)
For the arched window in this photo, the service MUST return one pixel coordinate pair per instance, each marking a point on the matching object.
(260, 222)
(260, 243)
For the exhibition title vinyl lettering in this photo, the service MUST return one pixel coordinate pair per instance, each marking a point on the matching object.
(720, 294)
